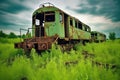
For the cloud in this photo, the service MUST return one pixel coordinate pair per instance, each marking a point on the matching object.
(14, 6)
(102, 16)
(14, 15)
(110, 8)
(15, 21)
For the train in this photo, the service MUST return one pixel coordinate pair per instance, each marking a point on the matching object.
(52, 25)
(97, 36)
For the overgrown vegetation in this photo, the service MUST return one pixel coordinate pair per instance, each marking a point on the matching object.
(57, 65)
(13, 35)
(112, 36)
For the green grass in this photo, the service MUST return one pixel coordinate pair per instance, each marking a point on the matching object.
(14, 65)
(106, 52)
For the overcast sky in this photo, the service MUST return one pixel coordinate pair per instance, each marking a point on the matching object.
(100, 15)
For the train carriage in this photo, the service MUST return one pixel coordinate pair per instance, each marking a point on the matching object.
(52, 25)
(53, 21)
(98, 36)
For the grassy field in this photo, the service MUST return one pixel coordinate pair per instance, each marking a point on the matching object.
(58, 65)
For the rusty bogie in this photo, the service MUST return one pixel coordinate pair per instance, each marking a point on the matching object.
(38, 43)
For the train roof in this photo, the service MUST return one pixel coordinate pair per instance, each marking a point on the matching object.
(50, 7)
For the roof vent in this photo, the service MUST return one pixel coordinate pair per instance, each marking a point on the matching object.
(46, 4)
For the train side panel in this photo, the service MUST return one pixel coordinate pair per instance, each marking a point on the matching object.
(97, 36)
(76, 33)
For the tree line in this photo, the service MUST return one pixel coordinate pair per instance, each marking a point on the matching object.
(10, 35)
(112, 35)
(13, 35)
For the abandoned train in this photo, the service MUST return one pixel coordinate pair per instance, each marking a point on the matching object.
(52, 25)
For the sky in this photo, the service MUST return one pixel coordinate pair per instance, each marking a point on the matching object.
(102, 16)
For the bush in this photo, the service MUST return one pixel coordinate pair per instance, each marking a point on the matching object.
(112, 36)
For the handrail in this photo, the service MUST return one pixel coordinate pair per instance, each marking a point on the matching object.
(21, 29)
(21, 32)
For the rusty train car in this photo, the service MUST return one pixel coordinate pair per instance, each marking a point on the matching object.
(97, 36)
(52, 25)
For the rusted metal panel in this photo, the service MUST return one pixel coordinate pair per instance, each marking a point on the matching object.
(76, 33)
(39, 43)
(50, 27)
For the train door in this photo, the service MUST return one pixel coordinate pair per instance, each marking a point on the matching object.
(39, 25)
(66, 25)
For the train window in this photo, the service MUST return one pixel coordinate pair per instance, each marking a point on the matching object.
(104, 36)
(71, 22)
(49, 16)
(61, 18)
(37, 22)
(95, 34)
(33, 20)
(80, 25)
(88, 29)
(92, 34)
(85, 28)
(76, 24)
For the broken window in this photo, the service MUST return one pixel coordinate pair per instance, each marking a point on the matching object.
(71, 22)
(61, 18)
(33, 20)
(49, 16)
(88, 29)
(85, 28)
(95, 34)
(76, 24)
(80, 25)
(37, 22)
(92, 34)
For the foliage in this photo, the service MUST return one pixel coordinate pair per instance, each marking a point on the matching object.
(12, 35)
(112, 36)
(54, 64)
(2, 34)
(28, 35)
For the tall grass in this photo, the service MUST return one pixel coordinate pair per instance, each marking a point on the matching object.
(51, 65)
(107, 52)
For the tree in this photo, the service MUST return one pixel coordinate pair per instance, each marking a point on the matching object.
(2, 34)
(112, 36)
(12, 35)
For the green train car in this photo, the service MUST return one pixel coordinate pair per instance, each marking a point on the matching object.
(52, 25)
(98, 36)
(52, 21)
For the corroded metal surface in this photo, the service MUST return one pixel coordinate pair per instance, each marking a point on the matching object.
(97, 36)
(38, 43)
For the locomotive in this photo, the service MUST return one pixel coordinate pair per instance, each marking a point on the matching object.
(52, 25)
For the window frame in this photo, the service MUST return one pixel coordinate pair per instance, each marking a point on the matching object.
(52, 13)
(71, 22)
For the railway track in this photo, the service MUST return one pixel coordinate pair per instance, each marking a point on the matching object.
(87, 55)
